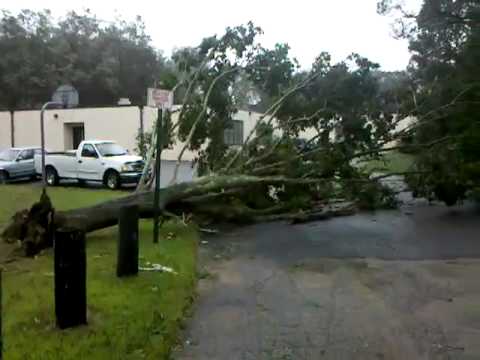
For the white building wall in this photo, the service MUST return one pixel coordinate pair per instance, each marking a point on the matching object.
(120, 124)
(27, 130)
(251, 118)
(149, 117)
(5, 136)
(117, 124)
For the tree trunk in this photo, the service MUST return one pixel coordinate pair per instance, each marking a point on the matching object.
(33, 226)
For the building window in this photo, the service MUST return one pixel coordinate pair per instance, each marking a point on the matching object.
(233, 134)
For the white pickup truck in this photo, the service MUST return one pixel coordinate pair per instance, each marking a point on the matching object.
(95, 160)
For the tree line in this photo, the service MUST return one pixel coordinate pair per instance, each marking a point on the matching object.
(103, 60)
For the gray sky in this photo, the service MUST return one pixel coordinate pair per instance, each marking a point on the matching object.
(308, 26)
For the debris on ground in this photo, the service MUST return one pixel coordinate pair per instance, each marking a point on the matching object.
(157, 267)
(209, 231)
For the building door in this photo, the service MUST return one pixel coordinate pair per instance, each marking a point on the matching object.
(78, 133)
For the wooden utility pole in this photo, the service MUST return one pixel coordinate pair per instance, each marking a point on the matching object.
(70, 266)
(127, 256)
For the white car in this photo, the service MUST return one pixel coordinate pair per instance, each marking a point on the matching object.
(95, 160)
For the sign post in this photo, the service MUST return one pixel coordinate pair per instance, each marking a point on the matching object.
(158, 168)
(163, 100)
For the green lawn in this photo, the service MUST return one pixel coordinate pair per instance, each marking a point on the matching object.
(390, 162)
(134, 318)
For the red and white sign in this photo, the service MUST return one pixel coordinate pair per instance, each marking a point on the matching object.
(160, 98)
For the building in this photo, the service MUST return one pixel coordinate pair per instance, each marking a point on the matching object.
(66, 128)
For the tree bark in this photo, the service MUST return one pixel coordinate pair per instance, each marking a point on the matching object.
(32, 227)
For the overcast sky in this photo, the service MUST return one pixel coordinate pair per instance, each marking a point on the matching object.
(308, 26)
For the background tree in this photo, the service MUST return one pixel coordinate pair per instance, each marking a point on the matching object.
(445, 67)
(26, 70)
(103, 60)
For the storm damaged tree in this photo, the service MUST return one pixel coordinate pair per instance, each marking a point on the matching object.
(444, 39)
(296, 163)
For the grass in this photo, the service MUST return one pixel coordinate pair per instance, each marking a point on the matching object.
(390, 162)
(133, 318)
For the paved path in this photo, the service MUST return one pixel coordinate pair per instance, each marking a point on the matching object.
(342, 289)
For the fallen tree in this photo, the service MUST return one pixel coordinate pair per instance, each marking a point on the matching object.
(202, 197)
(275, 174)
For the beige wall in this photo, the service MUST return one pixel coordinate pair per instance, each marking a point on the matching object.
(149, 116)
(117, 124)
(27, 130)
(5, 137)
(120, 124)
(401, 125)
(251, 118)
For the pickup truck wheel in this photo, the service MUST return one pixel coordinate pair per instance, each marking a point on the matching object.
(3, 177)
(51, 176)
(112, 180)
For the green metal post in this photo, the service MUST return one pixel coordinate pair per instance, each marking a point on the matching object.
(158, 161)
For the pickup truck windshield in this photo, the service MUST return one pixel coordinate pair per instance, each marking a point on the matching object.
(9, 155)
(110, 149)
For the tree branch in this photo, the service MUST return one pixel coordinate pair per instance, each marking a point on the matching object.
(191, 84)
(290, 124)
(402, 147)
(197, 121)
(273, 110)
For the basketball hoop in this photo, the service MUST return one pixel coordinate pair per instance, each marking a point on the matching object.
(66, 95)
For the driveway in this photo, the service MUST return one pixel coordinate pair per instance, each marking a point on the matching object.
(389, 285)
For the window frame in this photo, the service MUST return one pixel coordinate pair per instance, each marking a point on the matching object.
(94, 152)
(233, 135)
(21, 156)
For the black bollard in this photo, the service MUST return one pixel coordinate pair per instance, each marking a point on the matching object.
(70, 278)
(127, 257)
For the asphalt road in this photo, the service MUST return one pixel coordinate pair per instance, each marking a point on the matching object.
(388, 285)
